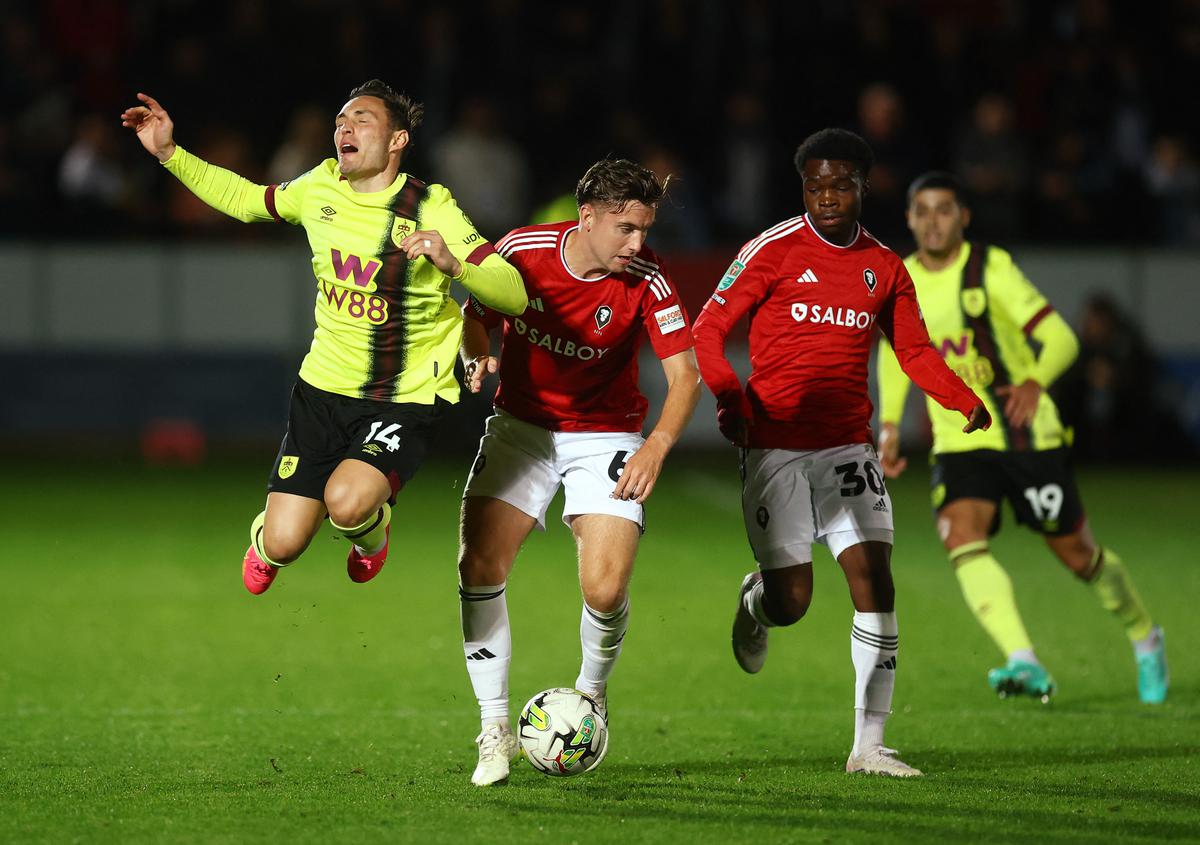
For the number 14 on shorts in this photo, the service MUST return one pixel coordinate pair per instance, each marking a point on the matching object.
(387, 436)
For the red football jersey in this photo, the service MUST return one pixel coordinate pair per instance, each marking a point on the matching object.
(813, 308)
(569, 363)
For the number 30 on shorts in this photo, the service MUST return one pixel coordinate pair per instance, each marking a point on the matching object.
(854, 482)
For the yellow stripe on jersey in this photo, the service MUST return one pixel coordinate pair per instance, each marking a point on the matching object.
(1005, 308)
(386, 328)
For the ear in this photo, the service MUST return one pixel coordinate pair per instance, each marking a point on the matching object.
(399, 141)
(866, 186)
(587, 216)
(966, 218)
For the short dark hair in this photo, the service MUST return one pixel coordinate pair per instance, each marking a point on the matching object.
(403, 111)
(836, 145)
(942, 180)
(616, 182)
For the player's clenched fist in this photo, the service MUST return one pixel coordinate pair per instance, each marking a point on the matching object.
(431, 245)
(153, 126)
(477, 369)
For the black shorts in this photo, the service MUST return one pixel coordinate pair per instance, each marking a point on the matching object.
(325, 429)
(1040, 486)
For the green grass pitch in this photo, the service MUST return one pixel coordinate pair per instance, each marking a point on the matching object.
(145, 696)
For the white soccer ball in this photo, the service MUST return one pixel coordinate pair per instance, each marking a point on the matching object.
(562, 732)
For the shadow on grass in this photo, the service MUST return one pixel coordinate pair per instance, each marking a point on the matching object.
(817, 796)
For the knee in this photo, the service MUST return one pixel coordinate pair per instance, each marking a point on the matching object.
(604, 598)
(476, 568)
(349, 507)
(283, 546)
(1080, 558)
(786, 604)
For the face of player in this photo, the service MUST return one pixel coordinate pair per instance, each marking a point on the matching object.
(833, 194)
(363, 138)
(937, 221)
(613, 237)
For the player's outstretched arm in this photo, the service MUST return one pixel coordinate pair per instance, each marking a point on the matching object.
(153, 126)
(222, 189)
(683, 392)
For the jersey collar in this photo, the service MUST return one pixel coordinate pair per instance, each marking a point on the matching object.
(562, 258)
(817, 232)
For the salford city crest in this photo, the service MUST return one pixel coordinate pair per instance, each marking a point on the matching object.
(603, 317)
(287, 465)
(870, 279)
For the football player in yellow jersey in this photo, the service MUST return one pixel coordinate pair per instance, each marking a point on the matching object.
(386, 247)
(987, 319)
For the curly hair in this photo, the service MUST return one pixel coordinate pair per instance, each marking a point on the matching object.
(836, 145)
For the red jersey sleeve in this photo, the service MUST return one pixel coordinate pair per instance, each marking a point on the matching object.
(743, 286)
(664, 317)
(901, 322)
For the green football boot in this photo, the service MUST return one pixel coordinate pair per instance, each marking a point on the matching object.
(1153, 677)
(1020, 678)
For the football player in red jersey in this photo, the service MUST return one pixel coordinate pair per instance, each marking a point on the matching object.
(816, 287)
(569, 412)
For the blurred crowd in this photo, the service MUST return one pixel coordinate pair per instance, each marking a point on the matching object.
(1068, 119)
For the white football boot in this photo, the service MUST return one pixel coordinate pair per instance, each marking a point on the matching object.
(497, 748)
(601, 700)
(881, 761)
(749, 637)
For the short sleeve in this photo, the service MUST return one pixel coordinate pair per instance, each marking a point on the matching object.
(663, 314)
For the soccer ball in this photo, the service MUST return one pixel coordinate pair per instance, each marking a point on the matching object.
(562, 732)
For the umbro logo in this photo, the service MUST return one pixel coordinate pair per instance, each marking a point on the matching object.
(536, 304)
(329, 209)
(881, 505)
(482, 654)
(890, 663)
(808, 276)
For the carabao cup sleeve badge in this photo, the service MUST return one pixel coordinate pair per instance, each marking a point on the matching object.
(731, 275)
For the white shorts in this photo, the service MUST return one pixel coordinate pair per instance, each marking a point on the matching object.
(791, 499)
(524, 464)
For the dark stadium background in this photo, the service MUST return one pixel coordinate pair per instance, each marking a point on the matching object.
(135, 319)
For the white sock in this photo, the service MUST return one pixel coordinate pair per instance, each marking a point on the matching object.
(487, 645)
(753, 600)
(1024, 655)
(600, 635)
(874, 639)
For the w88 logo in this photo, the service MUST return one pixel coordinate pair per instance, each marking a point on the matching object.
(356, 304)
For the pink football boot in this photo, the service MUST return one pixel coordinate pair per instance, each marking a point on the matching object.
(257, 575)
(362, 568)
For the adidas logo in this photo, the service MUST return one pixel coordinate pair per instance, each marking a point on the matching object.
(890, 663)
(536, 304)
(881, 505)
(482, 654)
(808, 276)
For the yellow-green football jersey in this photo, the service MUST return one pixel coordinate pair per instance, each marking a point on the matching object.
(981, 312)
(386, 327)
